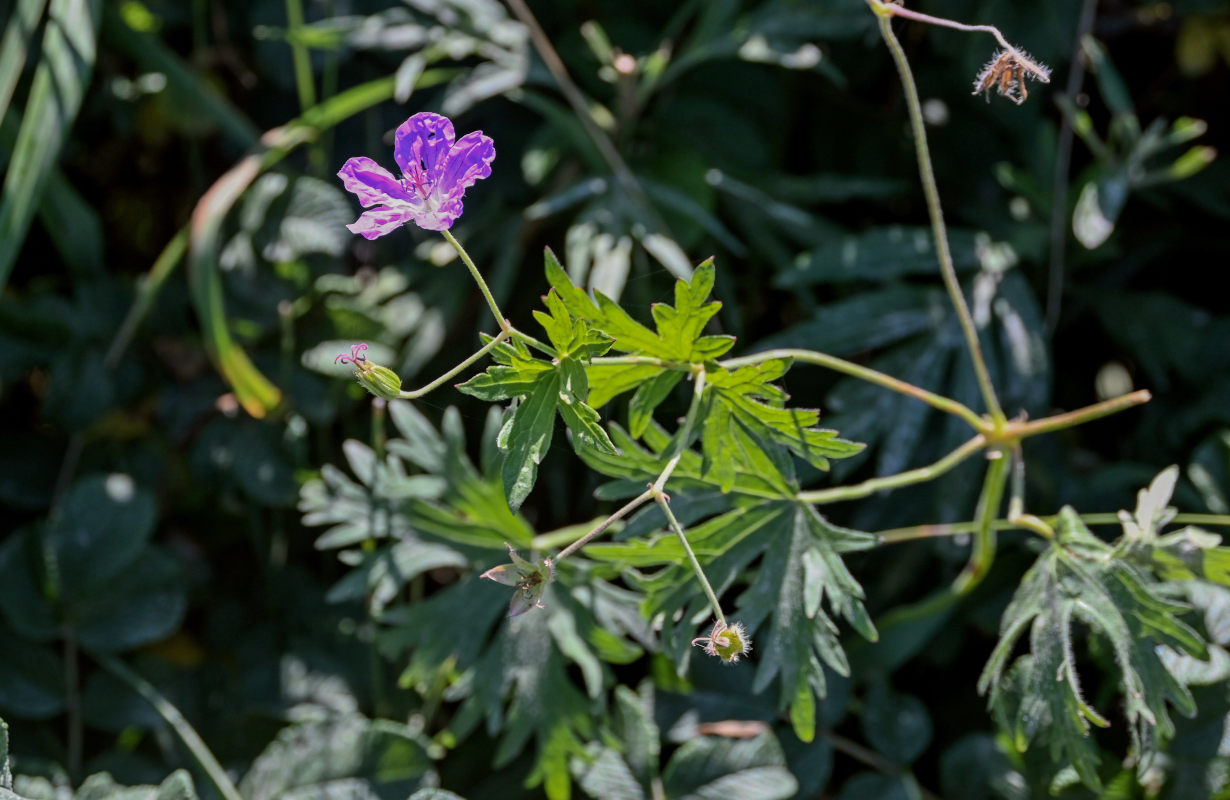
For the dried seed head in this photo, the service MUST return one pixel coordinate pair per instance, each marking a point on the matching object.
(1006, 73)
(727, 642)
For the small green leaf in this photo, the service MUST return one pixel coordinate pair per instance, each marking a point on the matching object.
(529, 438)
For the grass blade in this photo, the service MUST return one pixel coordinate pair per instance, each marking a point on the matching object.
(56, 93)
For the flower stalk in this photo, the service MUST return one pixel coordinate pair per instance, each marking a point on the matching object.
(935, 211)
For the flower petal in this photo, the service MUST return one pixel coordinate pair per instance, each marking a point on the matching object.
(468, 161)
(424, 139)
(380, 221)
(370, 182)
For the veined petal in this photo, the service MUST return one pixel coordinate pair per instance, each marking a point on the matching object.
(507, 574)
(440, 218)
(425, 139)
(380, 221)
(468, 161)
(370, 182)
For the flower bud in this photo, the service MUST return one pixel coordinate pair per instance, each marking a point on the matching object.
(380, 381)
(726, 641)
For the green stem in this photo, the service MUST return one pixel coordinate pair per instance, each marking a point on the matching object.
(655, 489)
(938, 228)
(983, 551)
(920, 475)
(836, 364)
(687, 548)
(1080, 416)
(303, 72)
(299, 53)
(685, 431)
(500, 319)
(487, 348)
(598, 529)
(939, 530)
(178, 723)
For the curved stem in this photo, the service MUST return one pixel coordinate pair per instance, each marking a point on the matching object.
(920, 475)
(884, 10)
(836, 364)
(983, 551)
(487, 348)
(500, 319)
(687, 548)
(189, 736)
(936, 212)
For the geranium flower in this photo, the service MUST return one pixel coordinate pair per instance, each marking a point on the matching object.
(435, 173)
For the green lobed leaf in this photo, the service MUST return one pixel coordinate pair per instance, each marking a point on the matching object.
(1081, 578)
(527, 437)
(747, 407)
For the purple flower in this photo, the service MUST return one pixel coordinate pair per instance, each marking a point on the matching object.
(435, 173)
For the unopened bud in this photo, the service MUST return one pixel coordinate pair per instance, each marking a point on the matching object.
(380, 381)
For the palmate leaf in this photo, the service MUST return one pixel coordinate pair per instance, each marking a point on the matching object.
(1080, 578)
(547, 388)
(783, 606)
(748, 410)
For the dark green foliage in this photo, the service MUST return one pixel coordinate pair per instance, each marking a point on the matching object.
(193, 489)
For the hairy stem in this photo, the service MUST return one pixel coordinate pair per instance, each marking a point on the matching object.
(487, 348)
(938, 228)
(887, 10)
(178, 723)
(836, 364)
(655, 489)
(982, 553)
(1082, 415)
(920, 475)
(687, 548)
(500, 319)
(632, 505)
(939, 530)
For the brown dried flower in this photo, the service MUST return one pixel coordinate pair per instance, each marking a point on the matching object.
(1006, 71)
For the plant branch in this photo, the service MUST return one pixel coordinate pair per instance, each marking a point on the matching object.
(885, 10)
(938, 228)
(920, 475)
(836, 364)
(487, 348)
(664, 503)
(982, 553)
(600, 528)
(940, 530)
(500, 319)
(1082, 415)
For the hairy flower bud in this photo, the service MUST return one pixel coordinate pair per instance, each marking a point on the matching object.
(380, 381)
(726, 641)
